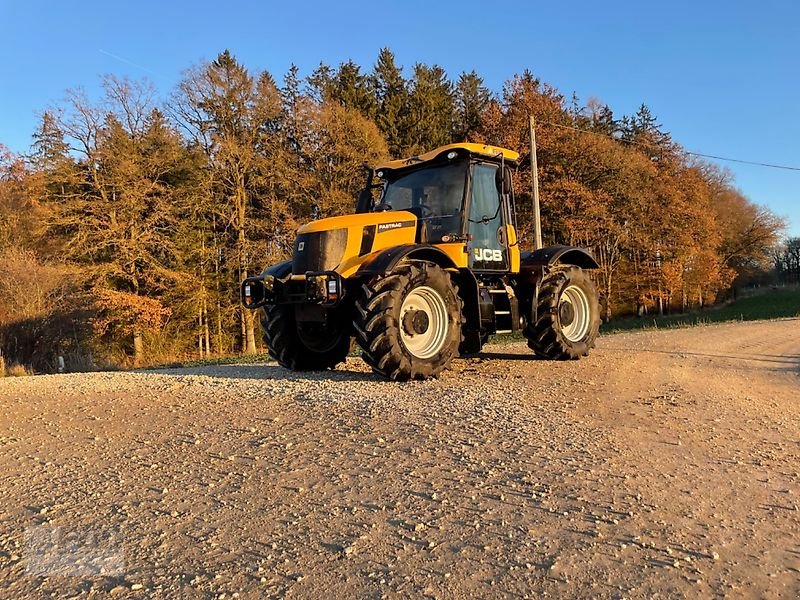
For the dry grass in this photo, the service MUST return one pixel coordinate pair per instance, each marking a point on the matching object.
(14, 370)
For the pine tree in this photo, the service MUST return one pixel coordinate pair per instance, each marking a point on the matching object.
(431, 108)
(49, 149)
(392, 97)
(290, 97)
(120, 223)
(320, 83)
(471, 99)
(353, 89)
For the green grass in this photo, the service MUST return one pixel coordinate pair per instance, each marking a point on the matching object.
(771, 304)
(235, 359)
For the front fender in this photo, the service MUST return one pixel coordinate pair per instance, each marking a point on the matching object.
(279, 270)
(384, 261)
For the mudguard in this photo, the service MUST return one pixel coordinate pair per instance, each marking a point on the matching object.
(566, 255)
(385, 261)
(279, 270)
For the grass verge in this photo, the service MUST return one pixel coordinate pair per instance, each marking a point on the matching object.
(774, 304)
(235, 359)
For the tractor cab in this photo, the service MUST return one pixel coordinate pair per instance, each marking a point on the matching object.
(459, 193)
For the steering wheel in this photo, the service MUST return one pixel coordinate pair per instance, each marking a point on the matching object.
(425, 212)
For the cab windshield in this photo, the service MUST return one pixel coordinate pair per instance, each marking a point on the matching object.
(435, 191)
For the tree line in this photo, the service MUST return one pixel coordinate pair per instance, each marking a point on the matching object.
(125, 231)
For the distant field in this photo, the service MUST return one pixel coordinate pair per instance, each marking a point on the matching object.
(771, 304)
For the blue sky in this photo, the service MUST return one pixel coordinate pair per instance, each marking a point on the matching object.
(722, 77)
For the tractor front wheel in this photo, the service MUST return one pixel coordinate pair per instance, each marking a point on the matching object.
(408, 323)
(302, 347)
(567, 316)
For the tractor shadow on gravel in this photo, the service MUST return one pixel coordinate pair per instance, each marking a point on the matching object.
(522, 356)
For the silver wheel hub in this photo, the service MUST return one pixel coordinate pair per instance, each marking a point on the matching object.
(423, 322)
(574, 314)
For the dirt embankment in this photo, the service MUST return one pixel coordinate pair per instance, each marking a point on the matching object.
(664, 464)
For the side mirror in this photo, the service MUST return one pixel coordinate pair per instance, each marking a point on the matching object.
(364, 200)
(502, 180)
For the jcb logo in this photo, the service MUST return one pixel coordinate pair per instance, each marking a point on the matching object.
(488, 255)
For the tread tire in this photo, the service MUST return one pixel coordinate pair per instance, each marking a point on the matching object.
(377, 321)
(286, 346)
(544, 336)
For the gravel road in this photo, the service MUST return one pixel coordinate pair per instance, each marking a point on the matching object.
(666, 464)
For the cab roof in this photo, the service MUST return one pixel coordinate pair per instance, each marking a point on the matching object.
(481, 150)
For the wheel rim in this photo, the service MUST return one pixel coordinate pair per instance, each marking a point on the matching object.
(427, 343)
(574, 313)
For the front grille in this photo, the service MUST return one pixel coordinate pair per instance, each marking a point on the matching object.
(318, 251)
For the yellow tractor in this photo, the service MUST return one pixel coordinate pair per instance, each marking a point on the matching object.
(428, 267)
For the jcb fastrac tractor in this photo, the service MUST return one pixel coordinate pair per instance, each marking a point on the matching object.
(428, 267)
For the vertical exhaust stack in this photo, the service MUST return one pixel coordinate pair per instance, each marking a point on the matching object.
(537, 220)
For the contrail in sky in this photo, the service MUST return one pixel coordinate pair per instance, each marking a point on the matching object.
(126, 61)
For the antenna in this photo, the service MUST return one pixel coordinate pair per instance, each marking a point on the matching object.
(537, 221)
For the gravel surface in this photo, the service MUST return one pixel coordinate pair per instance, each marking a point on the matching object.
(665, 464)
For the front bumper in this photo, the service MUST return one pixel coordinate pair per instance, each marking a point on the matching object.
(324, 288)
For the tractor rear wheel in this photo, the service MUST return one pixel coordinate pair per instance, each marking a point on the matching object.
(408, 323)
(302, 347)
(568, 316)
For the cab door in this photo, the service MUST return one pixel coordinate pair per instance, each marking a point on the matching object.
(488, 248)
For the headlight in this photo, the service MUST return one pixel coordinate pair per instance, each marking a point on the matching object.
(323, 288)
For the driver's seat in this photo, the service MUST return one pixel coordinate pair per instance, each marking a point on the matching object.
(422, 225)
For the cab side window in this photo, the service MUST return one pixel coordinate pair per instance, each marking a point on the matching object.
(485, 218)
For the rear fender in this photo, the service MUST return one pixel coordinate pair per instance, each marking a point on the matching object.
(552, 255)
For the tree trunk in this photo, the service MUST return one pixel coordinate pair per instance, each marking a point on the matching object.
(138, 348)
(251, 333)
(243, 329)
(219, 327)
(200, 332)
(248, 334)
(205, 328)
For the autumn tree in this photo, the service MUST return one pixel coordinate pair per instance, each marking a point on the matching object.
(341, 142)
(231, 114)
(119, 223)
(748, 232)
